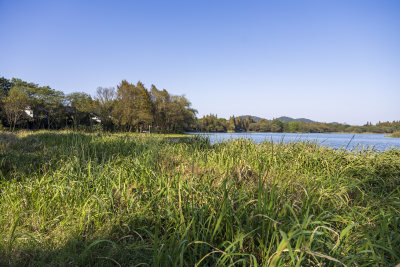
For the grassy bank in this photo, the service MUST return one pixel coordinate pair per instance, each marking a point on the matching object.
(397, 134)
(124, 200)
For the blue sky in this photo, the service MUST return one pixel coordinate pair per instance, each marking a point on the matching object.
(323, 60)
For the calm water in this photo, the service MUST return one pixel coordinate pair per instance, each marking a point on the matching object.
(335, 140)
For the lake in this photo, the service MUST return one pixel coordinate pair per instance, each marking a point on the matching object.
(335, 140)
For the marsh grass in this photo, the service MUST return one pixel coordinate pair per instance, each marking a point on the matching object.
(396, 134)
(133, 200)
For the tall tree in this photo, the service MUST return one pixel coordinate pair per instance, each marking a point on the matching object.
(231, 124)
(5, 86)
(171, 113)
(161, 100)
(45, 102)
(105, 100)
(14, 106)
(276, 125)
(247, 123)
(81, 105)
(126, 107)
(180, 115)
(145, 107)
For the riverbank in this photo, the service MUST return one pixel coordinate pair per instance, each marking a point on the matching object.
(127, 199)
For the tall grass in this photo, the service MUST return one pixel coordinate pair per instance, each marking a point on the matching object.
(128, 200)
(396, 134)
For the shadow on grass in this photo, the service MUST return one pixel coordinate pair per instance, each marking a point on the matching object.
(39, 153)
(133, 242)
(119, 247)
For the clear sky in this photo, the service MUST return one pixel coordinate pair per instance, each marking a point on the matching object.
(323, 60)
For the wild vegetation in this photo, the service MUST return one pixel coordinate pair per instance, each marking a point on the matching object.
(396, 134)
(85, 199)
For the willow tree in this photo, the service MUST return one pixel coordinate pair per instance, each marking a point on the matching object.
(180, 115)
(171, 113)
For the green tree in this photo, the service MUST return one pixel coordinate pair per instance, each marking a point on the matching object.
(179, 114)
(45, 102)
(211, 123)
(104, 104)
(126, 109)
(81, 105)
(14, 106)
(161, 100)
(293, 126)
(264, 125)
(240, 125)
(5, 86)
(145, 107)
(171, 113)
(276, 125)
(247, 123)
(231, 125)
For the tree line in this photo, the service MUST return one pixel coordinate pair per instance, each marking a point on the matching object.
(129, 107)
(211, 123)
(133, 107)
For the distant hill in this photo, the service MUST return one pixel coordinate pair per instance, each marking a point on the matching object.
(283, 118)
(254, 118)
(288, 119)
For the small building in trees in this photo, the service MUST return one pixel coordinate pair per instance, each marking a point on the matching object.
(28, 112)
(95, 118)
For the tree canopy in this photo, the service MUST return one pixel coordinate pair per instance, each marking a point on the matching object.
(130, 107)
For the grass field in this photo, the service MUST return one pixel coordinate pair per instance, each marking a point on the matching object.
(74, 199)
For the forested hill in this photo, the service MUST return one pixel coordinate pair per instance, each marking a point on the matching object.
(283, 119)
(288, 119)
(253, 118)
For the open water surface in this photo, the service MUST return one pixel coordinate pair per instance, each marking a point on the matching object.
(335, 140)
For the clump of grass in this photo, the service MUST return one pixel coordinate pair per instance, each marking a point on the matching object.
(125, 199)
(395, 134)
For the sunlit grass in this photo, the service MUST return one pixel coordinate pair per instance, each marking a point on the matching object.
(396, 134)
(125, 199)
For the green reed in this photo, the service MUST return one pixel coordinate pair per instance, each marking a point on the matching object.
(151, 200)
(395, 134)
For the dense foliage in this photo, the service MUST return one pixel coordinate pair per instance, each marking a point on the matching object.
(211, 123)
(144, 200)
(128, 108)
